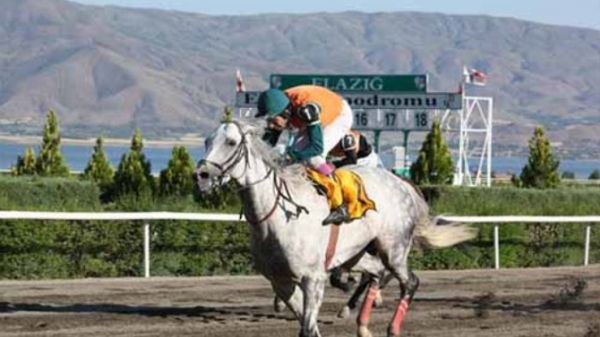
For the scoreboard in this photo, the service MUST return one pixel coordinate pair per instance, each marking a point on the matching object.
(392, 120)
(385, 111)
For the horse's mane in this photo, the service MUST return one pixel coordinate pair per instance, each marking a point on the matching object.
(293, 174)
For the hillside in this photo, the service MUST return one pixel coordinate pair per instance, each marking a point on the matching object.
(113, 69)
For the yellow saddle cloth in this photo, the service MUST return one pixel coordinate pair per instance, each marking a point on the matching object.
(347, 188)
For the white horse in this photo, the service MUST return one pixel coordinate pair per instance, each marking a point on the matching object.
(289, 246)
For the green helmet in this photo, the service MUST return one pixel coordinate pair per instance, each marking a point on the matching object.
(272, 102)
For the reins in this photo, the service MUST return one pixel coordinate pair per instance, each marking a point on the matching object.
(282, 190)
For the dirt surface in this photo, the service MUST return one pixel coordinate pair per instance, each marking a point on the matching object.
(531, 302)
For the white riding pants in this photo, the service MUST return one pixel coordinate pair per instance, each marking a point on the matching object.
(372, 160)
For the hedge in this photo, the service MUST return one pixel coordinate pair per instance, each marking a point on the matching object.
(49, 194)
(58, 249)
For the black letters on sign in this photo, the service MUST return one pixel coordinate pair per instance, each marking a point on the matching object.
(361, 119)
(421, 119)
(390, 119)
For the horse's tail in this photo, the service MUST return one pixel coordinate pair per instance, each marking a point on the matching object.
(435, 232)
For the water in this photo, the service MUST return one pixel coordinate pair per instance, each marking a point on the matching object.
(77, 156)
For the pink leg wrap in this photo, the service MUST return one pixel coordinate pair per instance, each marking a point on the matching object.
(365, 311)
(396, 324)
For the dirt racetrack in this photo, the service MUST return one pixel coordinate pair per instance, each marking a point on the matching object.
(530, 302)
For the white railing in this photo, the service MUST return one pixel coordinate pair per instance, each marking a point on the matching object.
(147, 216)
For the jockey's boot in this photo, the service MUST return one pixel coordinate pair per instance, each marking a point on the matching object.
(339, 214)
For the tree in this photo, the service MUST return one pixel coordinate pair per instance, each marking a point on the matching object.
(515, 181)
(177, 178)
(541, 170)
(98, 168)
(595, 175)
(567, 175)
(434, 164)
(134, 175)
(50, 161)
(26, 164)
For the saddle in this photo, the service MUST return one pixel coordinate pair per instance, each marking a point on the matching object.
(348, 187)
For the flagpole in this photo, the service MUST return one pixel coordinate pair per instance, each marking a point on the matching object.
(240, 87)
(461, 128)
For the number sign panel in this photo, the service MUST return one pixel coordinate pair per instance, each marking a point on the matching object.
(355, 83)
(386, 120)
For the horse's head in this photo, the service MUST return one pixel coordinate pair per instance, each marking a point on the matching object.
(227, 152)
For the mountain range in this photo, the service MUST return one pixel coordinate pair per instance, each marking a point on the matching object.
(111, 69)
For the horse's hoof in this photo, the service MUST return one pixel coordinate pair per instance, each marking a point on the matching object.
(363, 331)
(344, 313)
(278, 305)
(378, 300)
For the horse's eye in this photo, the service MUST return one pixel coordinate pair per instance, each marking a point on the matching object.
(231, 142)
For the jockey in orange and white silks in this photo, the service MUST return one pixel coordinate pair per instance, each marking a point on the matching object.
(322, 118)
(354, 149)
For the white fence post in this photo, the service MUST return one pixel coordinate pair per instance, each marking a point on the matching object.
(497, 246)
(586, 254)
(146, 248)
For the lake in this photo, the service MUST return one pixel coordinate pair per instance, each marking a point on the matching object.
(77, 157)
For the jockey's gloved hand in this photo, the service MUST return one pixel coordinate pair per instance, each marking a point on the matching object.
(284, 160)
(293, 156)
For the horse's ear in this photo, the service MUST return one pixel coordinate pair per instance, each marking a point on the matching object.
(250, 129)
(227, 115)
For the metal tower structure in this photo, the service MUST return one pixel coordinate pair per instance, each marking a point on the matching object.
(472, 125)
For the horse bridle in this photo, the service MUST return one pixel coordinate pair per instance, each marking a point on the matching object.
(241, 153)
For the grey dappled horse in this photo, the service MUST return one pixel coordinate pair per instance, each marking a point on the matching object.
(367, 262)
(288, 242)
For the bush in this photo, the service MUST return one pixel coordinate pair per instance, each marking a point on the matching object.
(48, 194)
(134, 174)
(541, 170)
(50, 162)
(99, 169)
(567, 175)
(434, 164)
(59, 249)
(25, 165)
(178, 177)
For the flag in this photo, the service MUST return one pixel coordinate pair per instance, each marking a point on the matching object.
(239, 82)
(474, 77)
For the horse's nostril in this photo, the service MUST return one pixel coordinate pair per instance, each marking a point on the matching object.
(204, 175)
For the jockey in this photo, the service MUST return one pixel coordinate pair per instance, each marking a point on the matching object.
(322, 118)
(354, 149)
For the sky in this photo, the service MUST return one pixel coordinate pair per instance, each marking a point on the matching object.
(578, 13)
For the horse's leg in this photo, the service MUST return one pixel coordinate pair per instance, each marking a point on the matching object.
(367, 306)
(335, 279)
(387, 277)
(351, 304)
(314, 290)
(278, 304)
(408, 286)
(291, 295)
